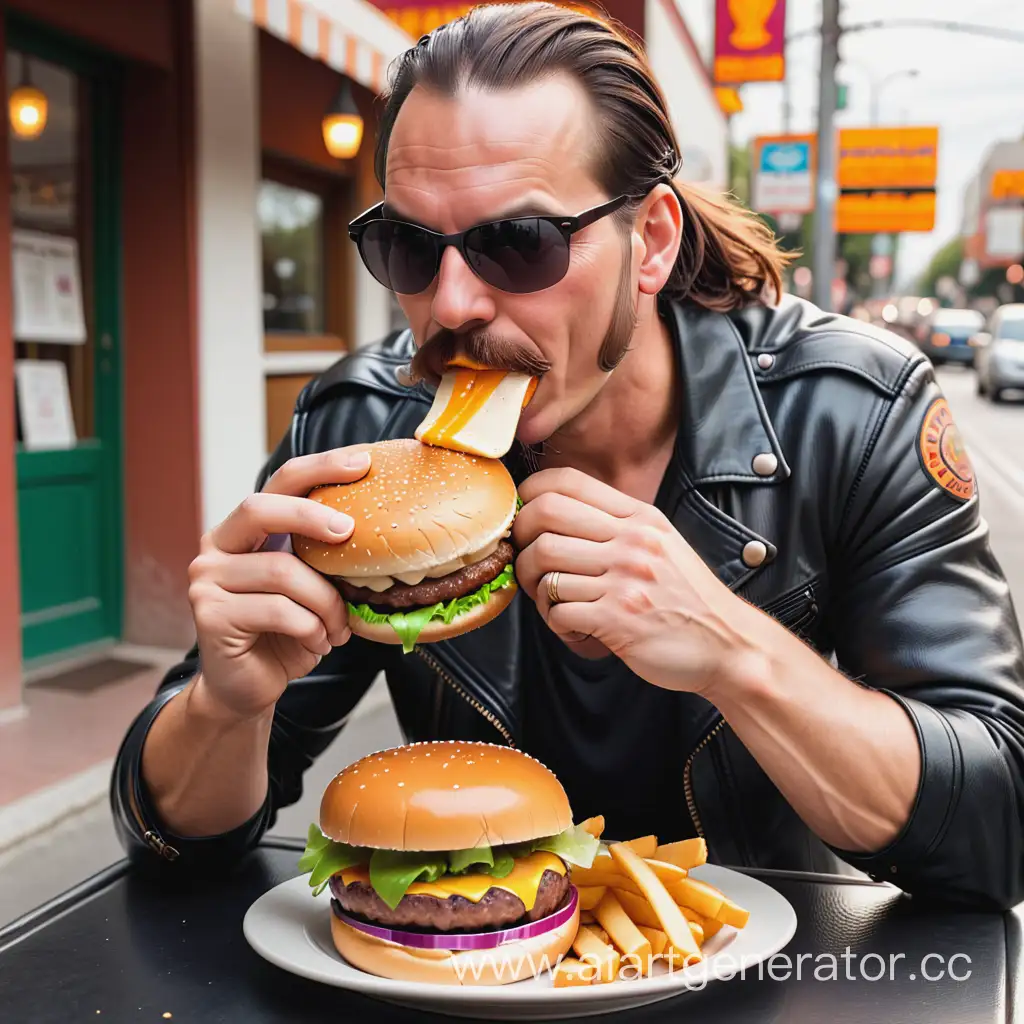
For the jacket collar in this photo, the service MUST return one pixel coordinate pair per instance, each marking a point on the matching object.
(725, 426)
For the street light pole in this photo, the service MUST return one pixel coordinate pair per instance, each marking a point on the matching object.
(824, 218)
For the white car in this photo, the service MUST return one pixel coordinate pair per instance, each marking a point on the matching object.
(999, 352)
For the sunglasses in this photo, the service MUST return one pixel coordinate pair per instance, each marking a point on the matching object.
(513, 254)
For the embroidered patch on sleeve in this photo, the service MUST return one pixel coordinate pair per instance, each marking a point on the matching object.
(943, 454)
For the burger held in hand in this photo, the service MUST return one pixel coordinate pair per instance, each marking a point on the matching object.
(449, 863)
(430, 556)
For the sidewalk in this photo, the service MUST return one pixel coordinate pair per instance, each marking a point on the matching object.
(55, 824)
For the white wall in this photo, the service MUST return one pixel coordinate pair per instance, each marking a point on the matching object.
(231, 389)
(698, 120)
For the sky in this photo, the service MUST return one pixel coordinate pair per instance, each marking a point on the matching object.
(971, 87)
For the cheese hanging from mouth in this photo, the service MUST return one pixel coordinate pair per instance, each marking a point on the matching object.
(477, 411)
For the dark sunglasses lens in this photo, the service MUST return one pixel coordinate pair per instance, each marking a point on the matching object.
(522, 255)
(401, 256)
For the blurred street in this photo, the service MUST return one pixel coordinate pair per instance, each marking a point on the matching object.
(994, 437)
(85, 843)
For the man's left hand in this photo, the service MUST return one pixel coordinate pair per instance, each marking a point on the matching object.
(627, 579)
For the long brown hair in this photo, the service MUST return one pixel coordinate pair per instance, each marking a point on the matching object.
(728, 257)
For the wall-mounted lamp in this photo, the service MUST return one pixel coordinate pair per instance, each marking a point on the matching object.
(27, 107)
(343, 125)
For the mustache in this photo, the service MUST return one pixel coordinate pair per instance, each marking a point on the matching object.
(492, 350)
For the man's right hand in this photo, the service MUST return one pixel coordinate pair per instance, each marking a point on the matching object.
(264, 618)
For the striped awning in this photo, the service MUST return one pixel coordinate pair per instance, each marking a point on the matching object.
(352, 36)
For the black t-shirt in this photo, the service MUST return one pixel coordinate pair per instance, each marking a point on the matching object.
(617, 743)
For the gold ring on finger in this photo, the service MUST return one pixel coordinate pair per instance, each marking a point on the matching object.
(553, 588)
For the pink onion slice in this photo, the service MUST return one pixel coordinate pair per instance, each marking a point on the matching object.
(467, 940)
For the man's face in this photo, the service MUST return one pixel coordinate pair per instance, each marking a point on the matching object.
(454, 162)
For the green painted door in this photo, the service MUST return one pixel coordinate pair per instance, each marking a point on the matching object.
(65, 185)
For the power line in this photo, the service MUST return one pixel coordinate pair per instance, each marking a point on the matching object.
(989, 31)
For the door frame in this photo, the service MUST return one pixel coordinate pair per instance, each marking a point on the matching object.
(104, 72)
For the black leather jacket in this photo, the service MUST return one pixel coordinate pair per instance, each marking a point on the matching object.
(870, 560)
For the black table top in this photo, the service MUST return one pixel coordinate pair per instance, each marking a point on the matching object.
(137, 951)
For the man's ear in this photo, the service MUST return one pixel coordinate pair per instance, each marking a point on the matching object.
(659, 223)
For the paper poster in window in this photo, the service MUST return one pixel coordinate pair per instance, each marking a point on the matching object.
(47, 287)
(44, 404)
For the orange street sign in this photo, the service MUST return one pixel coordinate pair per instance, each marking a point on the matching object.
(871, 212)
(1007, 184)
(888, 158)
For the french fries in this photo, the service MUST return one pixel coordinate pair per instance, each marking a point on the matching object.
(592, 950)
(639, 907)
(644, 846)
(627, 938)
(674, 925)
(590, 895)
(570, 972)
(687, 853)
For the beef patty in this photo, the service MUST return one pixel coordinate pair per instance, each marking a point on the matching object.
(496, 909)
(421, 595)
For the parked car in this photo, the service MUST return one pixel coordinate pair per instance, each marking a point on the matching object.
(945, 335)
(999, 352)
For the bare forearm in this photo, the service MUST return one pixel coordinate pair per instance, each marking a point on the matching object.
(205, 769)
(845, 757)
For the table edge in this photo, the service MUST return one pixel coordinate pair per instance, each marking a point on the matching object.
(46, 912)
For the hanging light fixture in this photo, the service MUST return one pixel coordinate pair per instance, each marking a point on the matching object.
(27, 107)
(343, 125)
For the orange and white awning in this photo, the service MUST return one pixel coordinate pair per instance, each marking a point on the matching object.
(352, 36)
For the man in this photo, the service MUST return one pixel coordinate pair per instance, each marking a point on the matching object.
(776, 621)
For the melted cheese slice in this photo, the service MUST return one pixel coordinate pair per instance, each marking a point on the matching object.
(477, 411)
(522, 881)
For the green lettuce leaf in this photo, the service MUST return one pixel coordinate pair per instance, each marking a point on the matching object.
(323, 857)
(479, 859)
(503, 864)
(495, 861)
(409, 625)
(393, 871)
(575, 845)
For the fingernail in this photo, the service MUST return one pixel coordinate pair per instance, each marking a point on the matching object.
(357, 460)
(340, 524)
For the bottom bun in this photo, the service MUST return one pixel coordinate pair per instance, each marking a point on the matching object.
(382, 633)
(502, 965)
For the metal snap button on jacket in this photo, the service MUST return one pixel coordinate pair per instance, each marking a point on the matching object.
(765, 361)
(754, 553)
(765, 464)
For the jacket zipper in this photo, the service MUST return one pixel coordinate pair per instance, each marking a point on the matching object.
(151, 837)
(489, 715)
(691, 803)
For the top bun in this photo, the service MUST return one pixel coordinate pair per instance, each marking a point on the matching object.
(444, 796)
(419, 506)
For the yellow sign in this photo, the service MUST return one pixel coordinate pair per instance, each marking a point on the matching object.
(888, 157)
(885, 212)
(729, 101)
(1007, 184)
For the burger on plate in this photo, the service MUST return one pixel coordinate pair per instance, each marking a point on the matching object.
(449, 863)
(430, 556)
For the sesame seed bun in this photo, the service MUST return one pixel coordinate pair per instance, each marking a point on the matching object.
(444, 796)
(418, 507)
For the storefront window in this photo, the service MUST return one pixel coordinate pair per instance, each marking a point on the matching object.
(292, 229)
(52, 239)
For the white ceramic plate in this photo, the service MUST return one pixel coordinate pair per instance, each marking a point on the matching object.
(291, 928)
